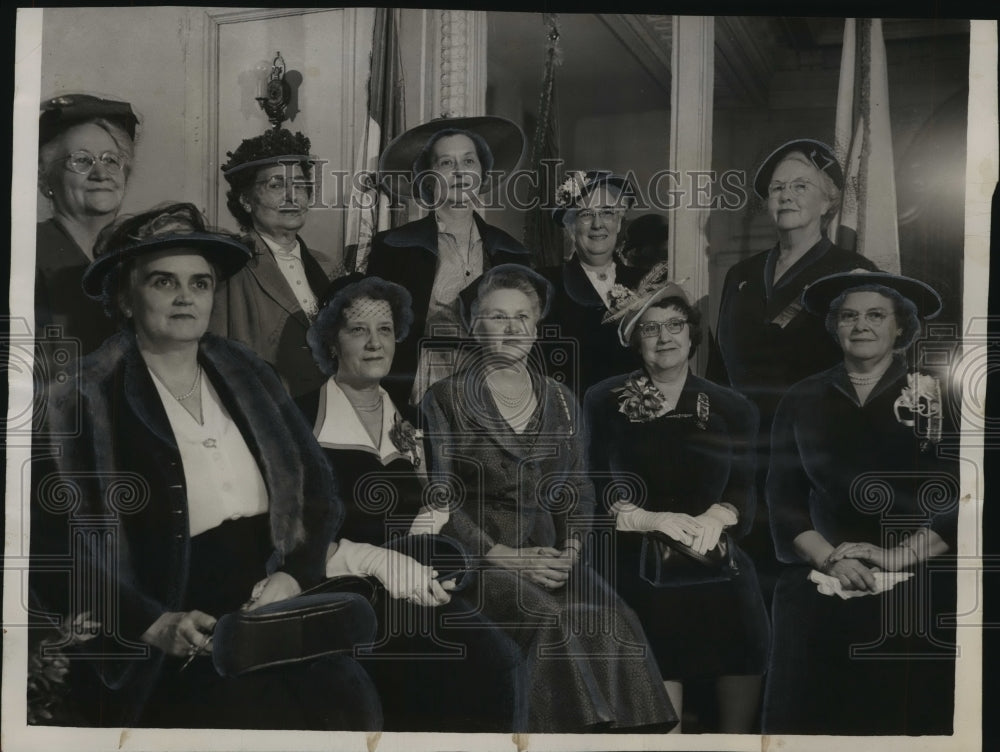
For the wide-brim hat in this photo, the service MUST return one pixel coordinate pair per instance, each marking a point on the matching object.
(819, 154)
(504, 138)
(168, 226)
(67, 110)
(818, 296)
(577, 185)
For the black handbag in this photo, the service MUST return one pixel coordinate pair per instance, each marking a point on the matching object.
(665, 562)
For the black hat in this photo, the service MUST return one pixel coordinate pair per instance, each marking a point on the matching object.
(820, 154)
(579, 184)
(818, 296)
(67, 110)
(647, 230)
(275, 146)
(167, 226)
(504, 138)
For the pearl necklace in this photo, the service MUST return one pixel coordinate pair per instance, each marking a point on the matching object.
(194, 387)
(858, 380)
(507, 400)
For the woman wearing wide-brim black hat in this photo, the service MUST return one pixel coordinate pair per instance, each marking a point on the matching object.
(864, 504)
(449, 166)
(219, 496)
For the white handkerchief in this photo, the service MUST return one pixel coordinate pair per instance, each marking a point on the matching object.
(828, 585)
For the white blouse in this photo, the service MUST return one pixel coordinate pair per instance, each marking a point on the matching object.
(221, 474)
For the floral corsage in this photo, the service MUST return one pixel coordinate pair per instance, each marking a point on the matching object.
(406, 439)
(921, 399)
(570, 190)
(619, 296)
(639, 400)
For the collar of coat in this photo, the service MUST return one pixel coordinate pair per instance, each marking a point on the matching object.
(246, 386)
(423, 233)
(578, 287)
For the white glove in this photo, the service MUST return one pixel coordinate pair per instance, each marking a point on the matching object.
(680, 527)
(402, 575)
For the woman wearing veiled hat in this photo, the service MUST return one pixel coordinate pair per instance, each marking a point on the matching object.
(85, 155)
(445, 165)
(270, 303)
(591, 206)
(673, 457)
(864, 502)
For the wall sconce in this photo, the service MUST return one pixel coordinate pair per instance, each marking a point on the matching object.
(274, 93)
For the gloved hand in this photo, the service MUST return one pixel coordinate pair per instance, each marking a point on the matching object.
(680, 527)
(713, 520)
(402, 575)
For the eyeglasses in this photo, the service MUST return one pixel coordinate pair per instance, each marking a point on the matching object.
(797, 187)
(278, 184)
(82, 162)
(588, 215)
(875, 317)
(651, 329)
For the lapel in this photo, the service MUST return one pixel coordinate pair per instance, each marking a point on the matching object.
(264, 269)
(788, 290)
(318, 281)
(338, 426)
(578, 287)
(141, 395)
(496, 241)
(421, 233)
(837, 377)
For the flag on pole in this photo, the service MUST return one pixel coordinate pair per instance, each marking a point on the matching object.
(867, 221)
(368, 208)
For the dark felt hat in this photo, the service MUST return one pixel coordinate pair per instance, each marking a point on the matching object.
(168, 226)
(818, 296)
(504, 138)
(275, 146)
(67, 110)
(577, 185)
(819, 154)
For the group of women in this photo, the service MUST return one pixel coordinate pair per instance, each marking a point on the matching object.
(283, 427)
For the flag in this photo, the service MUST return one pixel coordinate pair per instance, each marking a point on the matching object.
(368, 208)
(541, 235)
(867, 221)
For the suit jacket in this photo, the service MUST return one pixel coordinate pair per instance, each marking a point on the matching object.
(110, 499)
(766, 340)
(578, 309)
(257, 308)
(408, 256)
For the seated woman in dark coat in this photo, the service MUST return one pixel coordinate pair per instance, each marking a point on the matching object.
(186, 486)
(378, 460)
(446, 165)
(687, 445)
(864, 502)
(508, 441)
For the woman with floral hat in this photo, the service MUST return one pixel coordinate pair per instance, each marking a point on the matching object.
(590, 206)
(673, 455)
(864, 500)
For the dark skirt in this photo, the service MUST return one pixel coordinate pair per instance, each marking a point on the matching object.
(588, 663)
(330, 693)
(698, 631)
(875, 664)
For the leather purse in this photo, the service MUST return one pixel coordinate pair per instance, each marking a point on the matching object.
(665, 562)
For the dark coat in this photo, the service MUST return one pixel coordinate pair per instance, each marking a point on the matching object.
(577, 309)
(116, 471)
(257, 308)
(408, 256)
(59, 297)
(678, 463)
(766, 341)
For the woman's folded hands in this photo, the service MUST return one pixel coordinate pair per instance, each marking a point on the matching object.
(543, 565)
(401, 575)
(713, 521)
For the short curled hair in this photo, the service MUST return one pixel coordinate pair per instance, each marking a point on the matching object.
(272, 143)
(829, 188)
(422, 164)
(322, 335)
(692, 314)
(904, 309)
(514, 277)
